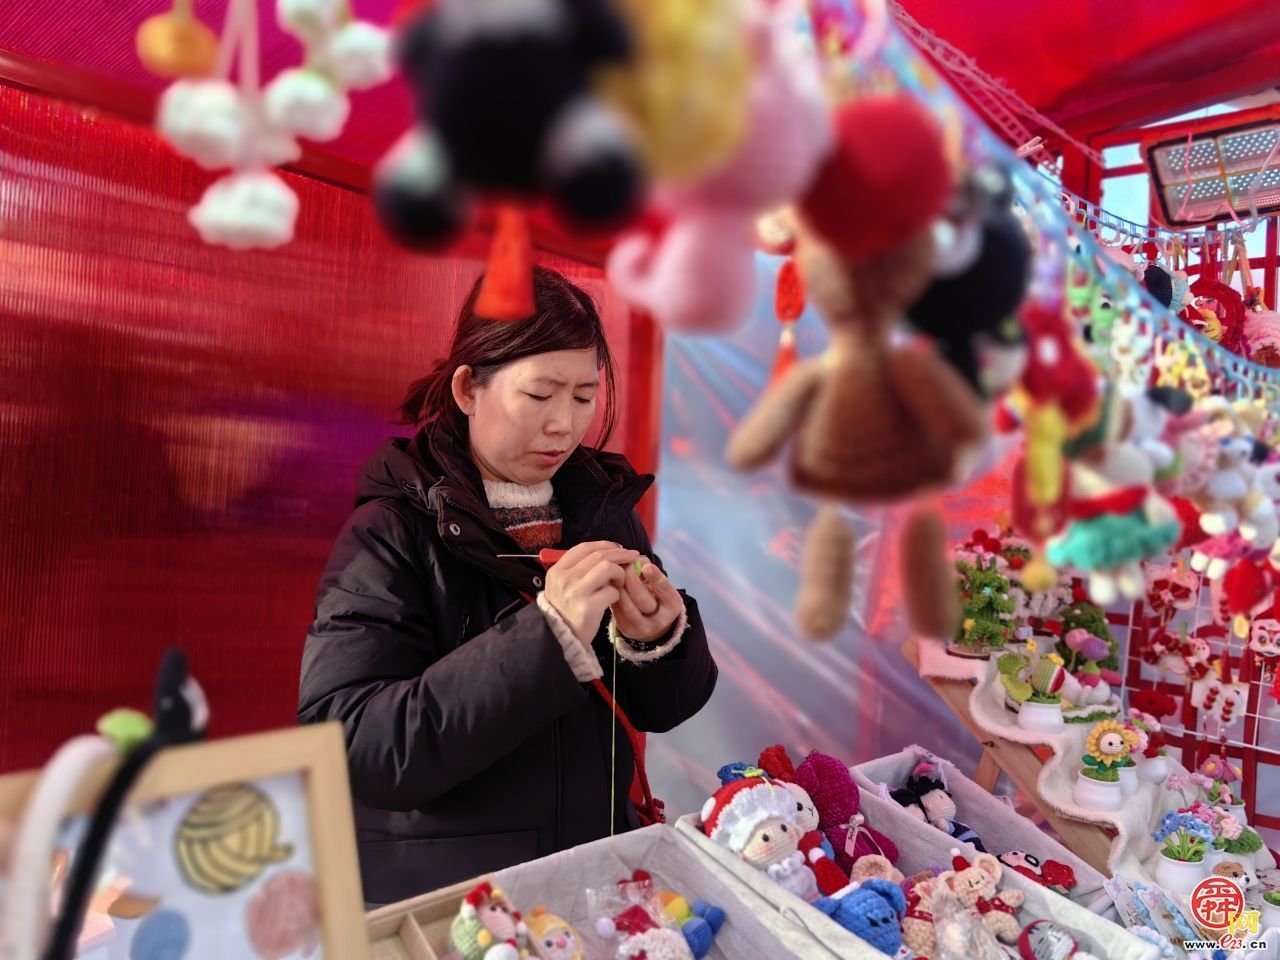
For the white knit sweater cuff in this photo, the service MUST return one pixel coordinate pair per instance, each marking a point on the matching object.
(582, 661)
(629, 650)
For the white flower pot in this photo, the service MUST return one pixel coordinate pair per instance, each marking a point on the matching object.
(1212, 858)
(1128, 781)
(1270, 916)
(1179, 876)
(1041, 717)
(1153, 769)
(1097, 795)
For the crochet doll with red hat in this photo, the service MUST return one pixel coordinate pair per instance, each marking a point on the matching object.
(755, 819)
(873, 420)
(487, 928)
(817, 849)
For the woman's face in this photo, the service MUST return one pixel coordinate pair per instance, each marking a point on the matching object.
(530, 415)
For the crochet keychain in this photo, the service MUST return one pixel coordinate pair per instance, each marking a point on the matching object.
(251, 130)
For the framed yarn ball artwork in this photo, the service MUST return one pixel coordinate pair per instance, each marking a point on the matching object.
(238, 848)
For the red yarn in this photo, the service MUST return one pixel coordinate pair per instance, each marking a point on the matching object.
(1189, 517)
(885, 180)
(775, 762)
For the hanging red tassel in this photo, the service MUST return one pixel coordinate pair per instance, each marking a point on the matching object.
(788, 305)
(507, 291)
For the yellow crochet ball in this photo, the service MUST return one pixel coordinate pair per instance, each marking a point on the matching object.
(174, 45)
(1038, 576)
(685, 89)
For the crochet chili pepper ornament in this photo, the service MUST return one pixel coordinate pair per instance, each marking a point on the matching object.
(1060, 395)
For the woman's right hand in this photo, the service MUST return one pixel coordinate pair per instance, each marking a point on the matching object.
(585, 583)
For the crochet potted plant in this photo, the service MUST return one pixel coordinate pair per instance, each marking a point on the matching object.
(1129, 766)
(1034, 685)
(1224, 789)
(1091, 684)
(1184, 840)
(987, 621)
(1243, 847)
(1270, 910)
(1153, 762)
(1098, 783)
(1212, 818)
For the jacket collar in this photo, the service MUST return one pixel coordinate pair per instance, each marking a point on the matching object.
(596, 491)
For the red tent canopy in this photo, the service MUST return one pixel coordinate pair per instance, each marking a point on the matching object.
(1090, 65)
(1093, 65)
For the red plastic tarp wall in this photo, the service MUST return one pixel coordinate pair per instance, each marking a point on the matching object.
(181, 426)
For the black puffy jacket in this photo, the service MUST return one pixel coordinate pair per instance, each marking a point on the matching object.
(471, 745)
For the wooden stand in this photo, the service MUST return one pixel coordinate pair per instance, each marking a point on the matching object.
(1091, 842)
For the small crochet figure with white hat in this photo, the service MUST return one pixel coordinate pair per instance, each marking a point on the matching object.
(486, 928)
(755, 818)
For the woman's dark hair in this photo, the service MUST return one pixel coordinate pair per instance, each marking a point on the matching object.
(564, 318)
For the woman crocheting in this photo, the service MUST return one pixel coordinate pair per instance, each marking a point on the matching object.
(479, 733)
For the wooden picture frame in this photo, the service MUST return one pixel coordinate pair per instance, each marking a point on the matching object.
(315, 753)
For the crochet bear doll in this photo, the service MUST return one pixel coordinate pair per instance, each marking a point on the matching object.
(871, 911)
(838, 800)
(975, 887)
(917, 923)
(872, 420)
(755, 819)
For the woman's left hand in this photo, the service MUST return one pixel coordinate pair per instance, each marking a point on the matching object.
(649, 604)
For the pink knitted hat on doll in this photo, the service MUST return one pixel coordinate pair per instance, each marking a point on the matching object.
(737, 808)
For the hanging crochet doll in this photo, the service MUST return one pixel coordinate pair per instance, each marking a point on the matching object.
(872, 420)
(1118, 520)
(700, 275)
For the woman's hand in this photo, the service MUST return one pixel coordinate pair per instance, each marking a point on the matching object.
(585, 583)
(647, 605)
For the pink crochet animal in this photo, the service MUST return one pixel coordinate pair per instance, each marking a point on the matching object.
(838, 800)
(701, 276)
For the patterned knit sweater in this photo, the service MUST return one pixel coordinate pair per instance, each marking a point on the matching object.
(530, 515)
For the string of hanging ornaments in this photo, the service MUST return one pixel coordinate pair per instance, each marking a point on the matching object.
(244, 128)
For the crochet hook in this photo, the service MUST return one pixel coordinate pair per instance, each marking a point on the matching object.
(549, 558)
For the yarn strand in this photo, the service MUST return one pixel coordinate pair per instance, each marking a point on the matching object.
(613, 745)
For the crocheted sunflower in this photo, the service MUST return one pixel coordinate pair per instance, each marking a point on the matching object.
(1109, 744)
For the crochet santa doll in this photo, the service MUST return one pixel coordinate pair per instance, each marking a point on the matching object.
(755, 819)
(815, 847)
